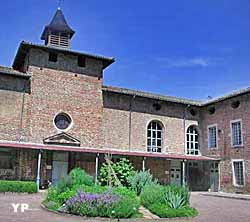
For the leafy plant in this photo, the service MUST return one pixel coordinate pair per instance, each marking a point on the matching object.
(123, 170)
(141, 179)
(174, 200)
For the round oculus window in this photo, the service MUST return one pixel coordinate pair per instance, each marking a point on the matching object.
(62, 121)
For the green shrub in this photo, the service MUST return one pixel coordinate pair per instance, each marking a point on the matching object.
(141, 179)
(80, 177)
(129, 204)
(18, 186)
(162, 211)
(152, 194)
(167, 201)
(123, 169)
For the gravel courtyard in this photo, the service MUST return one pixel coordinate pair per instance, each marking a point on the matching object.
(210, 209)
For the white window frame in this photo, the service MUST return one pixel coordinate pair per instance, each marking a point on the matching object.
(234, 179)
(231, 127)
(208, 136)
(194, 142)
(150, 149)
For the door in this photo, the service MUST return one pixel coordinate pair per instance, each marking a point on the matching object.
(60, 170)
(214, 177)
(175, 173)
(59, 166)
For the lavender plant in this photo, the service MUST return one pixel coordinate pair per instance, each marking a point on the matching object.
(87, 204)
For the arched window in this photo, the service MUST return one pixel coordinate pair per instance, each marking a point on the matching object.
(154, 136)
(193, 141)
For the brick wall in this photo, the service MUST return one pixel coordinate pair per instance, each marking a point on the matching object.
(116, 122)
(223, 115)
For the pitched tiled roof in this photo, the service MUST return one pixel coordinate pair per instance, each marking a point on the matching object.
(151, 95)
(175, 99)
(24, 46)
(10, 71)
(227, 96)
(59, 24)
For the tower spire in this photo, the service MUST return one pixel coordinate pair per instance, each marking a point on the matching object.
(58, 32)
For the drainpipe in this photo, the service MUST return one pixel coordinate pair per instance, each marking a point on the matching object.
(130, 120)
(38, 169)
(20, 131)
(184, 139)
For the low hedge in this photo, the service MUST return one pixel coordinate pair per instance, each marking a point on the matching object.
(18, 186)
(163, 212)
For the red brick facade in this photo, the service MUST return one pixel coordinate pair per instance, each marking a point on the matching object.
(108, 119)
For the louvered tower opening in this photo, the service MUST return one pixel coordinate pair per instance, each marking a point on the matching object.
(58, 39)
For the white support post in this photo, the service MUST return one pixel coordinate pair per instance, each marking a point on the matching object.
(38, 169)
(143, 164)
(96, 167)
(183, 173)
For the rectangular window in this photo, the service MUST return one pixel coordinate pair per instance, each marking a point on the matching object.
(52, 57)
(236, 133)
(81, 61)
(238, 172)
(212, 136)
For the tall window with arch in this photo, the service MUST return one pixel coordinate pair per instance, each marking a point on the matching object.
(155, 136)
(192, 141)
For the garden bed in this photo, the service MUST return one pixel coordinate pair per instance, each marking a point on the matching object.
(78, 195)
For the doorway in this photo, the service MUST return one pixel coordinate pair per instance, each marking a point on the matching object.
(214, 177)
(175, 173)
(60, 166)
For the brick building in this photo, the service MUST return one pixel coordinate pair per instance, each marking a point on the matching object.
(55, 114)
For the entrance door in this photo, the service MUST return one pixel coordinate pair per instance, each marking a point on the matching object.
(175, 173)
(60, 166)
(214, 177)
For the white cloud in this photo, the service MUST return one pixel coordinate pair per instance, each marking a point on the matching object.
(185, 62)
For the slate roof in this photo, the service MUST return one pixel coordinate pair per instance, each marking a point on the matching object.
(59, 24)
(10, 71)
(25, 46)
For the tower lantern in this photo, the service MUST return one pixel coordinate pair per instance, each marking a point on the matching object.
(58, 33)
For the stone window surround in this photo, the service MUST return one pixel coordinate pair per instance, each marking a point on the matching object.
(70, 125)
(208, 136)
(233, 171)
(231, 129)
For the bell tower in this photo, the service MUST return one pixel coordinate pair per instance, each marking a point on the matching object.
(58, 33)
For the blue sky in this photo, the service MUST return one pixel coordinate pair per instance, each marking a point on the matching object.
(185, 48)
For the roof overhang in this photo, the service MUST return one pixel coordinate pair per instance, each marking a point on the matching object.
(7, 144)
(24, 48)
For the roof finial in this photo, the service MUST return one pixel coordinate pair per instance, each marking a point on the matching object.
(59, 4)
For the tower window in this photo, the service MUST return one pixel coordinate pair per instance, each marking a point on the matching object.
(81, 61)
(52, 57)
